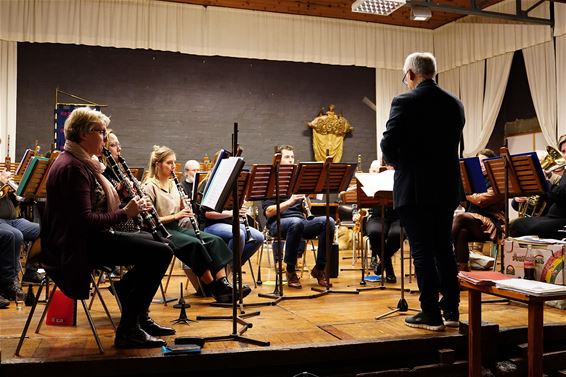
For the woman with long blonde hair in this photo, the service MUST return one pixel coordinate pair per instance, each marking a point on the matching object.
(207, 261)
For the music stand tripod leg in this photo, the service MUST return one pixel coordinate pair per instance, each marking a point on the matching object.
(402, 306)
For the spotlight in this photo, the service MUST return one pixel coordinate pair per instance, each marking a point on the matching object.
(379, 7)
(420, 13)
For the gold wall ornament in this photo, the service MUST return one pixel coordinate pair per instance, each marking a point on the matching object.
(328, 132)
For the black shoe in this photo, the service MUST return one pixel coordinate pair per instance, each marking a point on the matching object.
(154, 329)
(451, 318)
(32, 277)
(12, 291)
(135, 337)
(425, 321)
(391, 278)
(4, 303)
(222, 290)
(390, 272)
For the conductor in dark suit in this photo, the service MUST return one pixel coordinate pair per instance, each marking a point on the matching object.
(421, 141)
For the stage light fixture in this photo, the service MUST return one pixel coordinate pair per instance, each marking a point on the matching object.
(420, 13)
(379, 7)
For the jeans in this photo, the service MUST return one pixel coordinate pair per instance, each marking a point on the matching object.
(428, 230)
(12, 234)
(248, 246)
(294, 229)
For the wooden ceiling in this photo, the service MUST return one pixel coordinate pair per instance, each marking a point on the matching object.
(342, 9)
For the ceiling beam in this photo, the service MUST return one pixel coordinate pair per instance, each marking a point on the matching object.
(519, 16)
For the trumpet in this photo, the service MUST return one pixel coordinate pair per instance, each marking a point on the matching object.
(150, 220)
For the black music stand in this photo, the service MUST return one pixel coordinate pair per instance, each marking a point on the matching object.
(515, 175)
(237, 270)
(324, 178)
(243, 183)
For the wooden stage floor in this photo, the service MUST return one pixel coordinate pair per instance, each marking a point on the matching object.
(336, 334)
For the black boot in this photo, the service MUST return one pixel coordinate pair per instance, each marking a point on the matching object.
(152, 328)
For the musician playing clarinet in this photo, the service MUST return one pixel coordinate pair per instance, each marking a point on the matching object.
(77, 232)
(207, 255)
(294, 227)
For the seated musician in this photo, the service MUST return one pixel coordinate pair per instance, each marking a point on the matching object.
(208, 261)
(373, 229)
(13, 231)
(191, 169)
(294, 227)
(76, 232)
(549, 225)
(220, 224)
(483, 220)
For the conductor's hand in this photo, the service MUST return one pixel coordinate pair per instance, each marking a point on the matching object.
(135, 206)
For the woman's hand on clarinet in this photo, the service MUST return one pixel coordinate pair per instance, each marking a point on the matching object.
(135, 206)
(185, 212)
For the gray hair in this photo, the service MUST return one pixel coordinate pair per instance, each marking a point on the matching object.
(421, 63)
(81, 121)
(190, 163)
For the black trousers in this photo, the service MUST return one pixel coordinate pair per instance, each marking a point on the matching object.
(542, 226)
(391, 232)
(149, 260)
(428, 230)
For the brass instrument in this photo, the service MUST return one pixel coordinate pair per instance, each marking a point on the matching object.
(535, 204)
(307, 208)
(187, 202)
(363, 213)
(8, 187)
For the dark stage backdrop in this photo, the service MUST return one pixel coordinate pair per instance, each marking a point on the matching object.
(190, 102)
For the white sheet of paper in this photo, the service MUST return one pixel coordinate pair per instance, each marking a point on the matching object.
(225, 168)
(372, 183)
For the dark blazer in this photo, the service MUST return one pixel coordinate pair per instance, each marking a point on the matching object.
(68, 223)
(421, 141)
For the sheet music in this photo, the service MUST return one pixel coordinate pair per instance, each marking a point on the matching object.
(372, 183)
(218, 182)
(531, 287)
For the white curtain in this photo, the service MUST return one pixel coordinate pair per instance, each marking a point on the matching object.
(541, 73)
(471, 39)
(471, 94)
(450, 81)
(195, 29)
(387, 85)
(8, 82)
(560, 87)
(497, 75)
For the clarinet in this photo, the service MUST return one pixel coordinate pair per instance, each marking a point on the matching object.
(142, 218)
(187, 204)
(139, 191)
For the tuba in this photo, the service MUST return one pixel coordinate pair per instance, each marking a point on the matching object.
(535, 204)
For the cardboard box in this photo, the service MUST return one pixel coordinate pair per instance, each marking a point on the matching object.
(549, 260)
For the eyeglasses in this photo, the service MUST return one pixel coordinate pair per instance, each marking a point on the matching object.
(102, 132)
(404, 79)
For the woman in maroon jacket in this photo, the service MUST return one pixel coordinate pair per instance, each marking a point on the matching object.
(76, 232)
